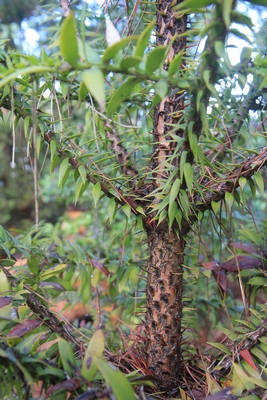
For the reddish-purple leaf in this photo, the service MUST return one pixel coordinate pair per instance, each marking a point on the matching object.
(100, 267)
(221, 279)
(212, 265)
(23, 328)
(244, 262)
(222, 394)
(247, 248)
(69, 385)
(4, 301)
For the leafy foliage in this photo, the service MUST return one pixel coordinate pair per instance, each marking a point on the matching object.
(91, 109)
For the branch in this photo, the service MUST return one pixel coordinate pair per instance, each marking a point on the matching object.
(120, 152)
(215, 190)
(250, 341)
(52, 321)
(48, 136)
(65, 4)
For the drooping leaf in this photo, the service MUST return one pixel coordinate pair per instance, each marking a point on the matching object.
(120, 386)
(175, 64)
(143, 40)
(193, 4)
(68, 41)
(121, 94)
(23, 328)
(94, 81)
(95, 348)
(113, 50)
(155, 59)
(227, 6)
(66, 355)
(64, 170)
(96, 192)
(174, 190)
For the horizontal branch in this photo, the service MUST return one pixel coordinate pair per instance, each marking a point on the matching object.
(250, 341)
(122, 200)
(215, 190)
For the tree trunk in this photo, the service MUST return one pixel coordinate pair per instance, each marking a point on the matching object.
(164, 306)
(166, 249)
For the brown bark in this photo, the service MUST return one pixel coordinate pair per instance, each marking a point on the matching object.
(164, 306)
(166, 250)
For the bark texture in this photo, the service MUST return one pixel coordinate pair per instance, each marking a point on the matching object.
(164, 306)
(166, 249)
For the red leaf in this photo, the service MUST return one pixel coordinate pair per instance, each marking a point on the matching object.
(23, 328)
(69, 385)
(245, 354)
(212, 265)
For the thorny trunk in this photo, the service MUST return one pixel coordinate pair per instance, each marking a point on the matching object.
(164, 306)
(166, 250)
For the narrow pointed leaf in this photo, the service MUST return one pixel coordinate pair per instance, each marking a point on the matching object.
(120, 386)
(96, 192)
(121, 94)
(143, 40)
(94, 80)
(68, 41)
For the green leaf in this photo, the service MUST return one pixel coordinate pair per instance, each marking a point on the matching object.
(242, 182)
(3, 234)
(4, 284)
(121, 94)
(95, 349)
(143, 40)
(64, 170)
(174, 190)
(188, 174)
(68, 41)
(161, 88)
(83, 91)
(155, 58)
(33, 69)
(215, 206)
(83, 173)
(229, 198)
(66, 355)
(257, 281)
(140, 210)
(260, 182)
(130, 62)
(259, 2)
(94, 81)
(127, 210)
(172, 211)
(221, 347)
(96, 192)
(112, 50)
(227, 6)
(80, 189)
(175, 64)
(112, 208)
(194, 4)
(33, 264)
(120, 386)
